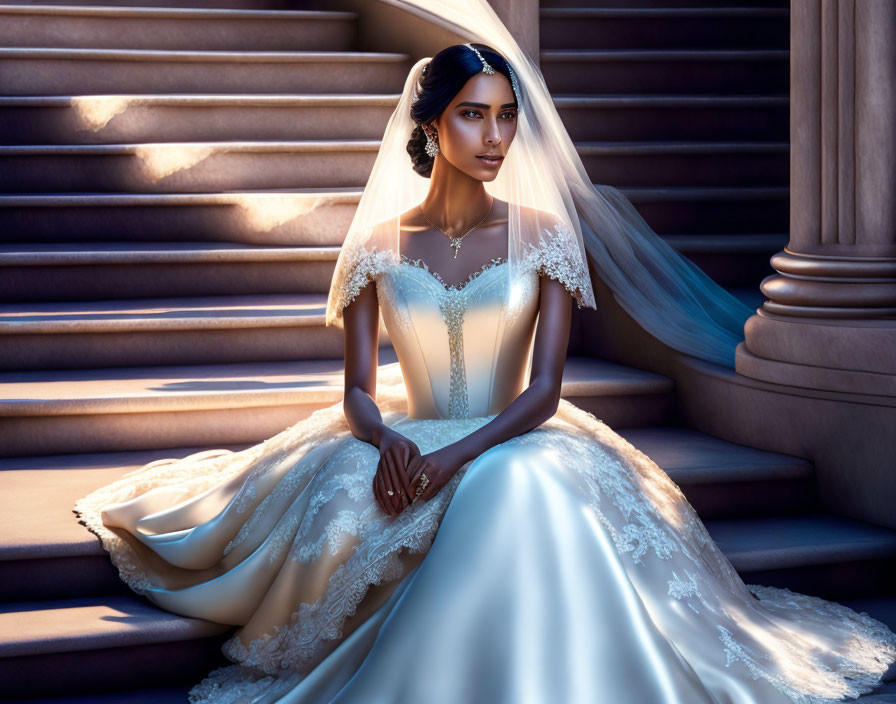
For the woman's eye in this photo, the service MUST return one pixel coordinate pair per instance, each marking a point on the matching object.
(509, 114)
(470, 113)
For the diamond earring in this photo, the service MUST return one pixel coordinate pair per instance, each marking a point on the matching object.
(431, 149)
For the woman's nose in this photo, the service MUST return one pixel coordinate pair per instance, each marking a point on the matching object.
(492, 133)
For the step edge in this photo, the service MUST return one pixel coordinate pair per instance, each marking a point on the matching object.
(128, 12)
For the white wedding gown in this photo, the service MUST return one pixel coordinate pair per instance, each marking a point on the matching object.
(562, 566)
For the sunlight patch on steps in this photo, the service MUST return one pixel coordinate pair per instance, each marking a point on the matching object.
(93, 112)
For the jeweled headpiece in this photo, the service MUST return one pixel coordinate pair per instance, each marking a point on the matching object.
(487, 68)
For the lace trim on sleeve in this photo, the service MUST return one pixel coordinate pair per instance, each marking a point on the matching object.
(358, 267)
(557, 256)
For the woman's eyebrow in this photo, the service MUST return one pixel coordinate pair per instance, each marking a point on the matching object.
(483, 105)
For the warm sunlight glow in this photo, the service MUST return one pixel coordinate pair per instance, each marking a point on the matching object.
(161, 160)
(792, 663)
(274, 209)
(93, 112)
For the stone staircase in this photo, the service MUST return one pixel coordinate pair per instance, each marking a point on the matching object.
(174, 188)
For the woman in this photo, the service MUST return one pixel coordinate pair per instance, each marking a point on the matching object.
(454, 531)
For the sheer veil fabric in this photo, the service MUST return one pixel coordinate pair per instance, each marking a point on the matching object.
(552, 198)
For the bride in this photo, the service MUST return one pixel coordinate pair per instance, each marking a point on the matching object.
(454, 531)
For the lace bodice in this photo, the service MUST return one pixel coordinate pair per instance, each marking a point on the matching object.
(464, 350)
(460, 352)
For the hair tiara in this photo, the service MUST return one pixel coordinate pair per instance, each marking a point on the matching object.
(487, 68)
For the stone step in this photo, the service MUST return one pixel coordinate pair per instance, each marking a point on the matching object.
(666, 71)
(186, 167)
(90, 636)
(175, 694)
(240, 4)
(45, 552)
(322, 216)
(627, 27)
(43, 71)
(119, 270)
(885, 694)
(70, 334)
(686, 164)
(175, 27)
(308, 216)
(68, 645)
(105, 119)
(722, 479)
(205, 330)
(822, 554)
(114, 271)
(669, 117)
(615, 4)
(733, 261)
(130, 408)
(674, 211)
(41, 540)
(194, 167)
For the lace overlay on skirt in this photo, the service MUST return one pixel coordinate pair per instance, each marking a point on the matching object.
(302, 500)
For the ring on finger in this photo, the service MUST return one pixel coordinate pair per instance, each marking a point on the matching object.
(424, 482)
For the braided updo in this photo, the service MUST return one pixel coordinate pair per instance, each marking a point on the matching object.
(442, 79)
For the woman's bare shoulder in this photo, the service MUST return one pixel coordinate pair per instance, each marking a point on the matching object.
(539, 220)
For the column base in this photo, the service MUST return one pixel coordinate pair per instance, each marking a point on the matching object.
(844, 381)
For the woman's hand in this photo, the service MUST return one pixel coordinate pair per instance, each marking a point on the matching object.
(396, 452)
(439, 467)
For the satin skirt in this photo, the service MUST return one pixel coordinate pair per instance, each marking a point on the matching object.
(560, 566)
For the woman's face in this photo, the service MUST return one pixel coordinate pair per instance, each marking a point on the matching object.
(477, 127)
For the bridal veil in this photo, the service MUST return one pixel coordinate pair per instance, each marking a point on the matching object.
(557, 215)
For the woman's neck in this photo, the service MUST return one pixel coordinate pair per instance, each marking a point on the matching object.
(455, 200)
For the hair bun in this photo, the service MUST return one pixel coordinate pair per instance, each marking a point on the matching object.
(422, 162)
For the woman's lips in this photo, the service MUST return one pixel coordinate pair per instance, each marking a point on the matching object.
(490, 160)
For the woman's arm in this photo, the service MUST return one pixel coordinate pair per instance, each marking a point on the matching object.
(361, 325)
(536, 404)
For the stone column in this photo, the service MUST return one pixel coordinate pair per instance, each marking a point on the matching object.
(521, 17)
(830, 319)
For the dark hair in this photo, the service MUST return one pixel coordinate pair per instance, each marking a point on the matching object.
(443, 78)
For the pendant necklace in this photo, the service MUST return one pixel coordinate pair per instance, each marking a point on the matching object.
(456, 241)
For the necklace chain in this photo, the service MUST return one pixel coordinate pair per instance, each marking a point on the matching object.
(456, 241)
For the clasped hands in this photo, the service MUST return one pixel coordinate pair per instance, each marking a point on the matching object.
(400, 467)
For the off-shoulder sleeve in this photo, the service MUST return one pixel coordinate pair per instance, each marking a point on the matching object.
(556, 255)
(354, 270)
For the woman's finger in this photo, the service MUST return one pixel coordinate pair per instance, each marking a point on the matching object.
(376, 486)
(388, 500)
(413, 471)
(389, 482)
(404, 476)
(383, 500)
(399, 479)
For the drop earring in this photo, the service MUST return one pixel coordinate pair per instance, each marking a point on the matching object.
(431, 149)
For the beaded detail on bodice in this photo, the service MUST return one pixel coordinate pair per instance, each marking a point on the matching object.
(460, 355)
(452, 306)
